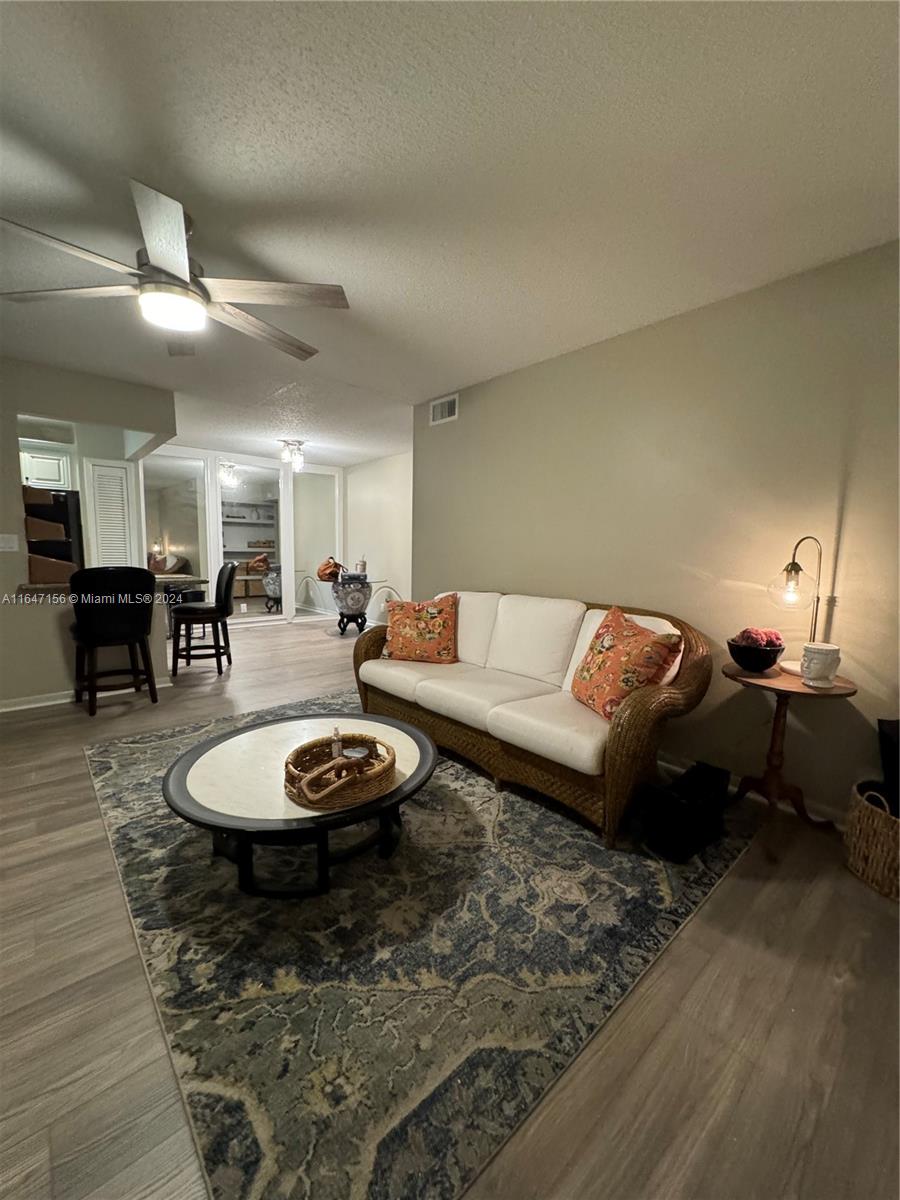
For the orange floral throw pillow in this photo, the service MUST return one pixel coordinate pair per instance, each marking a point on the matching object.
(622, 657)
(423, 632)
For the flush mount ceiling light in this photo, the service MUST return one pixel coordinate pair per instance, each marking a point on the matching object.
(292, 452)
(171, 306)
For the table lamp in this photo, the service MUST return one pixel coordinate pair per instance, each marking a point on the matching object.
(793, 589)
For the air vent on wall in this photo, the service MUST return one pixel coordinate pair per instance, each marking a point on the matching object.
(445, 409)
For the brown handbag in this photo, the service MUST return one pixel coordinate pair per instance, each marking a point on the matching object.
(329, 570)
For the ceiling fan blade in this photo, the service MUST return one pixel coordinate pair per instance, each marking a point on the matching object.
(261, 291)
(162, 226)
(243, 322)
(99, 260)
(76, 293)
(181, 345)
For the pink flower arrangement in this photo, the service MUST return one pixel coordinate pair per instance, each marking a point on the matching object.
(763, 638)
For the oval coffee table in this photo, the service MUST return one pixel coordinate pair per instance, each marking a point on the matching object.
(233, 785)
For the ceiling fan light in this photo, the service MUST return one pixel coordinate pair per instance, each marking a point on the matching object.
(171, 307)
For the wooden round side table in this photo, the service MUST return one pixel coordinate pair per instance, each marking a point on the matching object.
(772, 785)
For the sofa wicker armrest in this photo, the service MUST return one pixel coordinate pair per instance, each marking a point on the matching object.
(368, 645)
(636, 727)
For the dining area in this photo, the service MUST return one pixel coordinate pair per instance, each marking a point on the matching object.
(122, 628)
(114, 610)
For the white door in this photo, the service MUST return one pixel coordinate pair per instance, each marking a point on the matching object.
(109, 513)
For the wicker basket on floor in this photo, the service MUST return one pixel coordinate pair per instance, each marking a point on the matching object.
(314, 778)
(871, 838)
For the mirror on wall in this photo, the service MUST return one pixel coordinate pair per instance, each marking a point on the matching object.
(175, 515)
(316, 536)
(250, 536)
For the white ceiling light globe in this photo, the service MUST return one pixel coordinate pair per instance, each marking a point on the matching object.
(171, 307)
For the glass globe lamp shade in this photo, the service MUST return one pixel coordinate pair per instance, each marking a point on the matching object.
(297, 460)
(171, 307)
(792, 589)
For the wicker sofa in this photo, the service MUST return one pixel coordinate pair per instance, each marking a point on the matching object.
(507, 704)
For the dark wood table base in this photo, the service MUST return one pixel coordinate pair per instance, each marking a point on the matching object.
(238, 848)
(358, 619)
(772, 785)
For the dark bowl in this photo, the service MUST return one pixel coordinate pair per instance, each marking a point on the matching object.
(754, 658)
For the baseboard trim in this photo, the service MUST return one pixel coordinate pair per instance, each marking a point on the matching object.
(51, 698)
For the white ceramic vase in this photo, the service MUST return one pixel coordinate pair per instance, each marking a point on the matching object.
(819, 664)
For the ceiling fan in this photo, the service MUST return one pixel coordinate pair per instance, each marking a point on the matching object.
(170, 286)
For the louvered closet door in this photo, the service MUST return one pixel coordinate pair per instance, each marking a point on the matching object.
(110, 514)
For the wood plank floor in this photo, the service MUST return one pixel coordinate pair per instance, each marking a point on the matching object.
(756, 1059)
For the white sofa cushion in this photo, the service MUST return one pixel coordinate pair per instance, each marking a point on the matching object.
(593, 619)
(470, 697)
(477, 612)
(401, 678)
(557, 727)
(534, 636)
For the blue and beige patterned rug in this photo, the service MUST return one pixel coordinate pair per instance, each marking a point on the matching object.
(382, 1041)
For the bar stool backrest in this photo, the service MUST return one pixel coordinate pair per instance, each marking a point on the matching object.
(112, 605)
(225, 588)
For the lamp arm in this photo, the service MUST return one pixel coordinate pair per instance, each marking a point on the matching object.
(815, 612)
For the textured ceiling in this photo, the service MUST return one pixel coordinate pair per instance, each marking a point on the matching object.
(493, 184)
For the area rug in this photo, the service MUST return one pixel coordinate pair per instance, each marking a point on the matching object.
(383, 1040)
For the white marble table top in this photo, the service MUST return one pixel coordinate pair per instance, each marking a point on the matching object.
(243, 776)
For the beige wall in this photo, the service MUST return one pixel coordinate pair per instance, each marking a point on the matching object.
(39, 390)
(673, 468)
(36, 657)
(379, 523)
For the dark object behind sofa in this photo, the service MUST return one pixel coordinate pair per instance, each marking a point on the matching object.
(677, 820)
(889, 745)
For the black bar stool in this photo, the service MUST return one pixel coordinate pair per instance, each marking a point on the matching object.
(215, 614)
(113, 606)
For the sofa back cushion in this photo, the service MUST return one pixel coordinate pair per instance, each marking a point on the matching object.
(535, 636)
(595, 617)
(477, 612)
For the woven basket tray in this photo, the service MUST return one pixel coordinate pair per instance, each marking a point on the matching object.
(313, 778)
(871, 838)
